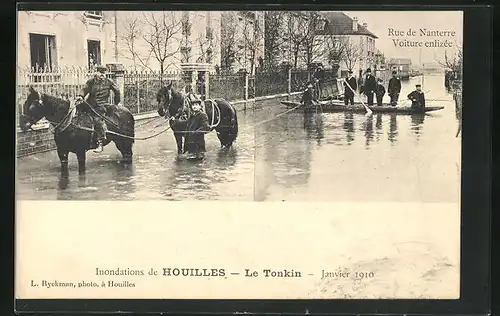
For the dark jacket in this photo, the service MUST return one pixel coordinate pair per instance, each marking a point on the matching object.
(196, 127)
(417, 99)
(354, 85)
(320, 75)
(380, 90)
(394, 86)
(99, 90)
(370, 84)
(307, 98)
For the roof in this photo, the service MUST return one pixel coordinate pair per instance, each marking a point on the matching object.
(400, 61)
(339, 23)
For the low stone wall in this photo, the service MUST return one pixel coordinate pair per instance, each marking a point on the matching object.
(42, 139)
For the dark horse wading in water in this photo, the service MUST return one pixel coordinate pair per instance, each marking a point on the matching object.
(221, 114)
(74, 129)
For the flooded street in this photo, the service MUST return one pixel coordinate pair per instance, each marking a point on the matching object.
(335, 157)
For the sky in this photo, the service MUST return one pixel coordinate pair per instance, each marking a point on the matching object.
(380, 22)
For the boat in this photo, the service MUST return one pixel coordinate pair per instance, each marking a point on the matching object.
(339, 106)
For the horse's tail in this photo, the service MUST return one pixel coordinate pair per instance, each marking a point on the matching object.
(234, 123)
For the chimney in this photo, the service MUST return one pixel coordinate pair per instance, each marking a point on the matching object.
(365, 25)
(355, 24)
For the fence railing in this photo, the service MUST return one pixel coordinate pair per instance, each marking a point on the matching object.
(140, 88)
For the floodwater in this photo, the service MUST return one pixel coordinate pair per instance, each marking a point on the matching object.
(337, 157)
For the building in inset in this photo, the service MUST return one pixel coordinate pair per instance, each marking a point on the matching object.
(50, 40)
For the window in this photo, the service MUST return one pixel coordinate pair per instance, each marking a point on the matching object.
(96, 15)
(94, 53)
(43, 52)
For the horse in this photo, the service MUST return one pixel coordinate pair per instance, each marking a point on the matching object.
(221, 114)
(74, 127)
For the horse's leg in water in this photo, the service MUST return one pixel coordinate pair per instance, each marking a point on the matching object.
(81, 156)
(63, 158)
(178, 140)
(125, 147)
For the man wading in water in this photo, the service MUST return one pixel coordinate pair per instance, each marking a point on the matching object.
(196, 128)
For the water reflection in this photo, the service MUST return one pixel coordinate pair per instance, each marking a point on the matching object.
(284, 158)
(417, 121)
(367, 127)
(393, 128)
(349, 127)
(314, 126)
(184, 175)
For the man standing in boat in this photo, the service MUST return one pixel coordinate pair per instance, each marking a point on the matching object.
(319, 78)
(370, 86)
(417, 98)
(350, 85)
(308, 97)
(380, 92)
(394, 88)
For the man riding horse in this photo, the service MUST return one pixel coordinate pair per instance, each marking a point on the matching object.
(98, 88)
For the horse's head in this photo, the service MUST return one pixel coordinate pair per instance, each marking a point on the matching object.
(164, 99)
(170, 101)
(33, 110)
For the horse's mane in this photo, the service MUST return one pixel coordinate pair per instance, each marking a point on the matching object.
(55, 100)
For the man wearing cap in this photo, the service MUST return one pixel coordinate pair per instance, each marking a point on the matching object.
(98, 88)
(370, 86)
(196, 128)
(380, 92)
(319, 76)
(308, 98)
(417, 98)
(394, 88)
(350, 85)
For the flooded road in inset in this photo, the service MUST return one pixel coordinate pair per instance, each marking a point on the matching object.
(337, 157)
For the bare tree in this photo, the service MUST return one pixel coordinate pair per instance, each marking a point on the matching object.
(162, 36)
(297, 34)
(453, 61)
(253, 37)
(207, 45)
(351, 53)
(131, 36)
(229, 43)
(312, 47)
(274, 39)
(334, 49)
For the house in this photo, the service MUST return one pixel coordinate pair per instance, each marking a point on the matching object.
(242, 40)
(51, 40)
(401, 65)
(346, 43)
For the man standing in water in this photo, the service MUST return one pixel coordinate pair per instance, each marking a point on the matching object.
(196, 128)
(394, 88)
(417, 98)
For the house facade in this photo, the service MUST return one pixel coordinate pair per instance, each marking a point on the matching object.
(51, 40)
(346, 43)
(54, 40)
